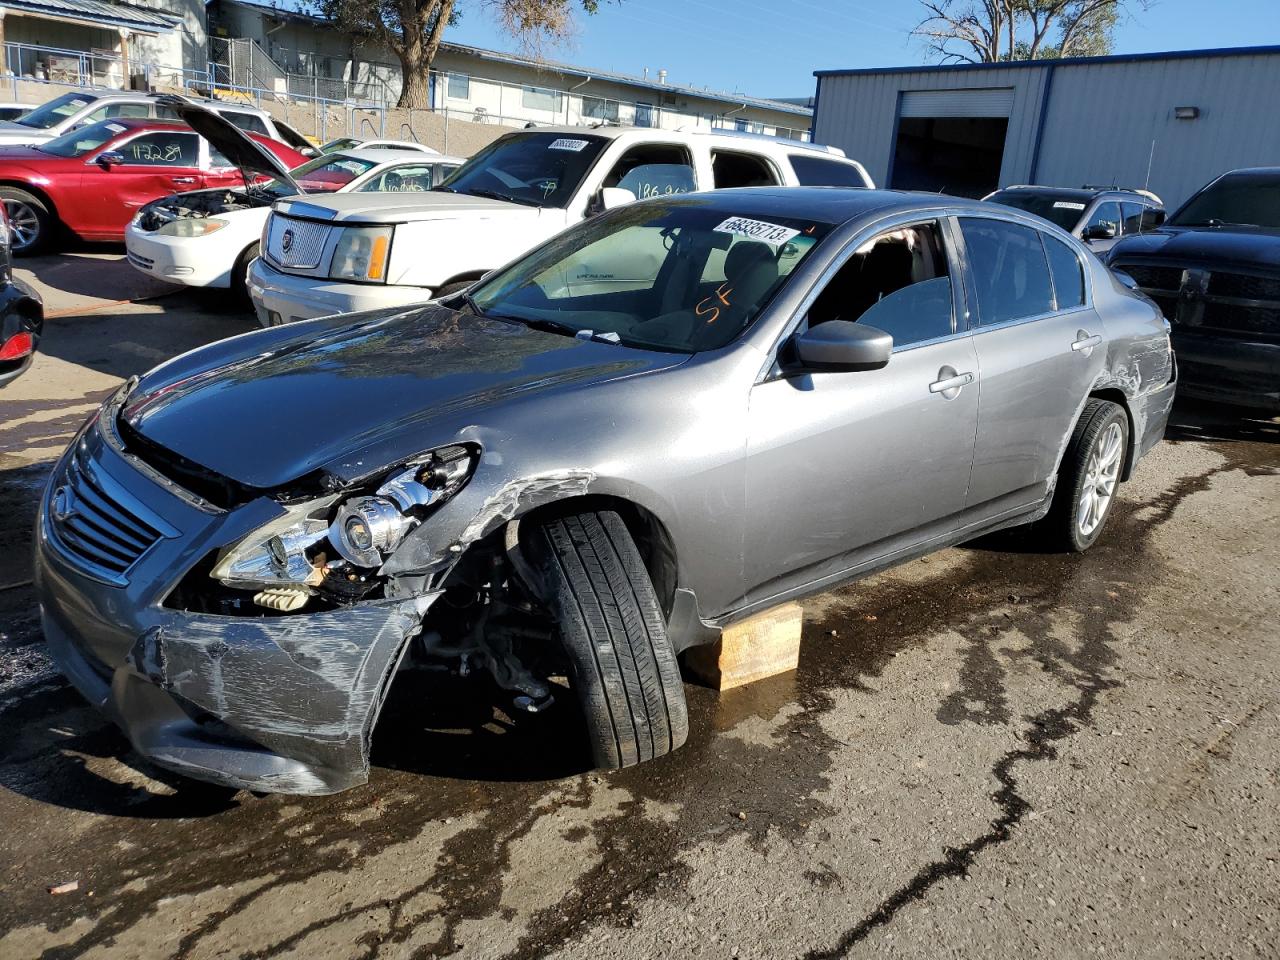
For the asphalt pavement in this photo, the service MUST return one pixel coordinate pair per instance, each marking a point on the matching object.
(990, 752)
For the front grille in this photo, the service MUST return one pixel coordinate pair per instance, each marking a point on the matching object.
(91, 519)
(1244, 287)
(1153, 278)
(296, 243)
(1261, 321)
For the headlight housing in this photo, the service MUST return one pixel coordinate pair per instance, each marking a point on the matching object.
(362, 254)
(326, 543)
(192, 227)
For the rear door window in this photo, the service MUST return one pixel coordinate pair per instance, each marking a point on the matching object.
(821, 172)
(1066, 271)
(249, 122)
(1009, 270)
(732, 169)
(1132, 214)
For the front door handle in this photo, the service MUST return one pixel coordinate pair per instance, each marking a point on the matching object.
(183, 179)
(1085, 343)
(949, 383)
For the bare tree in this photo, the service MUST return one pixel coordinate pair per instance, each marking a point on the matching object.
(990, 31)
(413, 29)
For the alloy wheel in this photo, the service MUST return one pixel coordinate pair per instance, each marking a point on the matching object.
(24, 223)
(1100, 478)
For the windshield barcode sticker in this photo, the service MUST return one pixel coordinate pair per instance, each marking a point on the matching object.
(564, 143)
(1068, 205)
(771, 233)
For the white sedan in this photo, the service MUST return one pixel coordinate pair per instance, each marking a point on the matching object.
(208, 238)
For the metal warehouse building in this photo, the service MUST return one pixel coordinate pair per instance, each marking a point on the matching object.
(1170, 121)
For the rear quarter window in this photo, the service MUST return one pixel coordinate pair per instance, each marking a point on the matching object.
(1067, 273)
(246, 121)
(822, 172)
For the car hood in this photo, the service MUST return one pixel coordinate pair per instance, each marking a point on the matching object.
(357, 397)
(24, 155)
(1240, 246)
(253, 159)
(408, 207)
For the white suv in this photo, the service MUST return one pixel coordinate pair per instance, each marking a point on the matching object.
(349, 252)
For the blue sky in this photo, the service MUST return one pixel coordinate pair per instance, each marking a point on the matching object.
(771, 47)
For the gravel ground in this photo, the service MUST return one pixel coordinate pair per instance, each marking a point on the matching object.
(989, 752)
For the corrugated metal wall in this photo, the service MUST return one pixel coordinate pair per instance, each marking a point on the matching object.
(1102, 118)
(859, 113)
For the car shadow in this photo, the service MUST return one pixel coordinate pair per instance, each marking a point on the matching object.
(440, 725)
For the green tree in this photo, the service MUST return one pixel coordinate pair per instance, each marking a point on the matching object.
(412, 29)
(991, 31)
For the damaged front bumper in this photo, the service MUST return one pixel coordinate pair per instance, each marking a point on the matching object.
(283, 704)
(1228, 370)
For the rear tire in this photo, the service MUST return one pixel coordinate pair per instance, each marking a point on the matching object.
(32, 223)
(240, 274)
(624, 670)
(1088, 479)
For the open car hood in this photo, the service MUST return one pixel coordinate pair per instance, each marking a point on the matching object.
(252, 158)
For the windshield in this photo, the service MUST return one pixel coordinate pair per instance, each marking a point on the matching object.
(538, 169)
(55, 111)
(1057, 209)
(1250, 199)
(76, 143)
(655, 275)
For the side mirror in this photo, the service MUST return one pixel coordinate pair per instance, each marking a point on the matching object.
(611, 197)
(839, 345)
(109, 158)
(1100, 231)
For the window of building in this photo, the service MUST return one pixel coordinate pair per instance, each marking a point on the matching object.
(730, 169)
(539, 98)
(458, 87)
(597, 108)
(1009, 269)
(898, 282)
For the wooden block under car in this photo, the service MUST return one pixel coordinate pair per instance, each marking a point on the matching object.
(761, 646)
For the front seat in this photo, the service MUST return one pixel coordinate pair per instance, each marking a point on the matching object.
(750, 270)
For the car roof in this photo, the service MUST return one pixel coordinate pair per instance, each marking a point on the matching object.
(1080, 193)
(737, 136)
(229, 105)
(387, 154)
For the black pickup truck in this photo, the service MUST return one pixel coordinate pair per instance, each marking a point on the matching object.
(1214, 269)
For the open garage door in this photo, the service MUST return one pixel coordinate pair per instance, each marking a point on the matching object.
(951, 141)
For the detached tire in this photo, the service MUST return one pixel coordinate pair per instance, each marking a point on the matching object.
(624, 671)
(1089, 478)
(31, 222)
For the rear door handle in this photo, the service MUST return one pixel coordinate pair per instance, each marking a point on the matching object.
(1086, 343)
(951, 383)
(183, 179)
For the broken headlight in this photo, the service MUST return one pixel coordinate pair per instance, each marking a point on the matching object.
(366, 530)
(312, 543)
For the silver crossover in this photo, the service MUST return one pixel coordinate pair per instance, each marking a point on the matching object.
(667, 418)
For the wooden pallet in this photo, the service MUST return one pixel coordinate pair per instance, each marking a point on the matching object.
(762, 646)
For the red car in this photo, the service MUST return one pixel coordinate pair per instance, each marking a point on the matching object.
(93, 180)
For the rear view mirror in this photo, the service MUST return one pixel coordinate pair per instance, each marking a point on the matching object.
(110, 158)
(1100, 231)
(611, 197)
(839, 345)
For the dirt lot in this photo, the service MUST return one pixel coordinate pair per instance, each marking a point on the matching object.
(990, 752)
